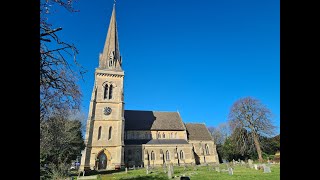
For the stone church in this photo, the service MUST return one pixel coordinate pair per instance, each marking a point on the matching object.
(117, 137)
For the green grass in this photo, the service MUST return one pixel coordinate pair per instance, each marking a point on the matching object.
(202, 173)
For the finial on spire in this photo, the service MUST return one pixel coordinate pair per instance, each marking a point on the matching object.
(114, 2)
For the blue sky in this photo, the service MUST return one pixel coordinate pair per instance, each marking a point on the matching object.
(195, 57)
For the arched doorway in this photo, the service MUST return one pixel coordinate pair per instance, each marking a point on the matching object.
(102, 161)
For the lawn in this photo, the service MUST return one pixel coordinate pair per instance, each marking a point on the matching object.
(202, 173)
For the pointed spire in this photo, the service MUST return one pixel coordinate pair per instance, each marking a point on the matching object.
(110, 57)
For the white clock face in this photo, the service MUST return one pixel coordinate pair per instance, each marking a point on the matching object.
(107, 110)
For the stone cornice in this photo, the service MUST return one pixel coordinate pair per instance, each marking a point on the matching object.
(108, 73)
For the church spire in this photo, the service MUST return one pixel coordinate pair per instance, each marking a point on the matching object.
(110, 57)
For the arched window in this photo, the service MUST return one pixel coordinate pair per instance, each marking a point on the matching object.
(181, 155)
(207, 149)
(175, 135)
(99, 133)
(167, 155)
(110, 132)
(110, 91)
(152, 156)
(163, 135)
(171, 136)
(105, 94)
(159, 136)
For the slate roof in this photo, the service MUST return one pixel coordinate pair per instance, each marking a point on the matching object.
(154, 141)
(168, 141)
(152, 120)
(198, 132)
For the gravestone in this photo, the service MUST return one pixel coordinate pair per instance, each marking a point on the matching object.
(266, 169)
(230, 170)
(234, 162)
(147, 170)
(126, 170)
(172, 170)
(217, 168)
(255, 166)
(164, 168)
(169, 172)
(250, 162)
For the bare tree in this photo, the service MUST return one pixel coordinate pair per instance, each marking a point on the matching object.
(220, 133)
(58, 75)
(249, 119)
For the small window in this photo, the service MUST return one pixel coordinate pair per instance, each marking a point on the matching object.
(105, 94)
(159, 136)
(207, 149)
(175, 135)
(152, 155)
(110, 132)
(167, 155)
(99, 133)
(181, 155)
(110, 91)
(163, 136)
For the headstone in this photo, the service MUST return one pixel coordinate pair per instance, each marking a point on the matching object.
(242, 162)
(126, 170)
(147, 170)
(230, 170)
(255, 166)
(266, 169)
(169, 172)
(217, 168)
(172, 170)
(134, 167)
(164, 168)
(234, 162)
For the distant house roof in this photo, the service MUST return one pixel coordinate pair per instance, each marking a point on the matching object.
(198, 132)
(152, 120)
(155, 141)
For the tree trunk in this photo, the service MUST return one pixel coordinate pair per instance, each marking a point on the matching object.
(257, 144)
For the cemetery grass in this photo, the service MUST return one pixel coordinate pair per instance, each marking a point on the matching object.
(202, 173)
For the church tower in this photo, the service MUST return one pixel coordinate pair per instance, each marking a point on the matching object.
(104, 136)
